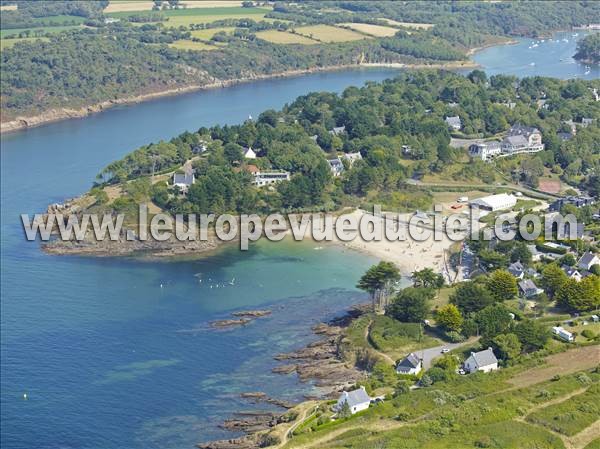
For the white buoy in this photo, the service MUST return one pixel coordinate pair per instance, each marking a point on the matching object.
(25, 396)
(161, 286)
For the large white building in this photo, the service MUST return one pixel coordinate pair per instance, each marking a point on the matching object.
(495, 202)
(519, 139)
(485, 150)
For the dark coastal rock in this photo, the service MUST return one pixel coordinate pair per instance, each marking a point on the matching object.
(230, 322)
(252, 313)
(251, 422)
(259, 396)
(234, 443)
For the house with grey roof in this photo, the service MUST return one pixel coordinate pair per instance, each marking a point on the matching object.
(522, 139)
(529, 289)
(588, 260)
(411, 364)
(572, 272)
(484, 361)
(485, 150)
(454, 123)
(336, 166)
(184, 180)
(337, 130)
(517, 269)
(357, 400)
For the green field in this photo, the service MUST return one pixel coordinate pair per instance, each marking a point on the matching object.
(38, 31)
(186, 17)
(571, 416)
(185, 44)
(476, 411)
(284, 37)
(328, 33)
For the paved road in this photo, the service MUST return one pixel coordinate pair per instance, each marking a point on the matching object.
(428, 355)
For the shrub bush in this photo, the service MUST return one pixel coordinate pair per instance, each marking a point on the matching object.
(589, 334)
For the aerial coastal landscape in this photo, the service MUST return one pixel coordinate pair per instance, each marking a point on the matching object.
(467, 133)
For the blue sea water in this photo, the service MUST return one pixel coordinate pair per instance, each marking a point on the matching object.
(109, 359)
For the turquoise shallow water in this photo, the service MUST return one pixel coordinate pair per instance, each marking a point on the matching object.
(107, 358)
(110, 360)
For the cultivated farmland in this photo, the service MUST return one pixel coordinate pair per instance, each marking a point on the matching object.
(371, 30)
(328, 33)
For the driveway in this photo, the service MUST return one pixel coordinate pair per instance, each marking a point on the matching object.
(428, 355)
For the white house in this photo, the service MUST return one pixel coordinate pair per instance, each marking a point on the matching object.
(184, 180)
(411, 364)
(352, 157)
(336, 166)
(588, 260)
(338, 130)
(562, 333)
(485, 150)
(484, 361)
(357, 400)
(263, 178)
(454, 123)
(522, 139)
(495, 202)
(572, 272)
(249, 153)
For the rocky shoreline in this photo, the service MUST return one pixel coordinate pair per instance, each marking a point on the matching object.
(242, 318)
(123, 247)
(320, 362)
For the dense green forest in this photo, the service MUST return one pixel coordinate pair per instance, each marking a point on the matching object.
(588, 49)
(108, 61)
(381, 120)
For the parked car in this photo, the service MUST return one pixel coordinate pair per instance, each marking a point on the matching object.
(445, 350)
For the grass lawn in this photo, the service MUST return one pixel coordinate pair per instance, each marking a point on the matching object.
(185, 44)
(283, 37)
(371, 30)
(443, 297)
(398, 339)
(8, 43)
(327, 33)
(571, 416)
(416, 26)
(594, 327)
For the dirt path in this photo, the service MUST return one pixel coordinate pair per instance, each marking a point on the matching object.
(383, 355)
(586, 436)
(303, 415)
(577, 441)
